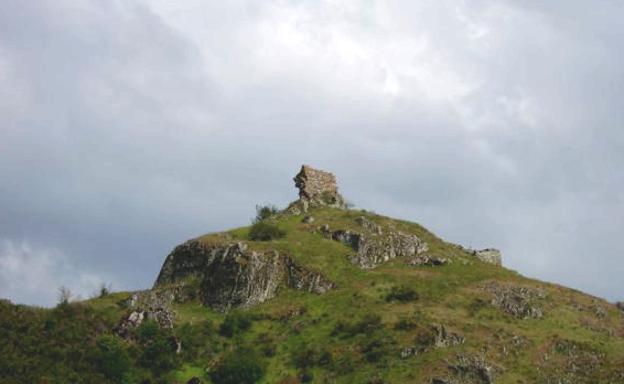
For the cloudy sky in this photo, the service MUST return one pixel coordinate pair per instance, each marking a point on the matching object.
(127, 127)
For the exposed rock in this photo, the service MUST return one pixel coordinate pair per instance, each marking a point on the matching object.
(473, 368)
(520, 302)
(372, 250)
(230, 275)
(308, 220)
(428, 260)
(443, 338)
(435, 336)
(620, 305)
(369, 225)
(186, 261)
(316, 188)
(567, 361)
(489, 255)
(147, 305)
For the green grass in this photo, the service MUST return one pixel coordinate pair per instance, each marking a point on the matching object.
(295, 321)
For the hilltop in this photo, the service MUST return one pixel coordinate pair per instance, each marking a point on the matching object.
(324, 293)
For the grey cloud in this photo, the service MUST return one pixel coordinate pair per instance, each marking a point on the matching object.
(128, 127)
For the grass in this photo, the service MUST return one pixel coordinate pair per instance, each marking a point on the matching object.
(449, 295)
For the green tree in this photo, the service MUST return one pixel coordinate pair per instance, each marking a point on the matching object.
(239, 367)
(111, 358)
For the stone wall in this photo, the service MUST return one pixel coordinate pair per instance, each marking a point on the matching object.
(317, 188)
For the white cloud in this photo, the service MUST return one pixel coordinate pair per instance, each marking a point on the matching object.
(33, 275)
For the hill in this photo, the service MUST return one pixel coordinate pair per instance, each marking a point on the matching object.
(321, 293)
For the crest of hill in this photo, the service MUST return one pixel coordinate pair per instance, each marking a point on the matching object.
(332, 295)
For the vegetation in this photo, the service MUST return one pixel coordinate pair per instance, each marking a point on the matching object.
(402, 294)
(239, 367)
(264, 212)
(375, 327)
(264, 231)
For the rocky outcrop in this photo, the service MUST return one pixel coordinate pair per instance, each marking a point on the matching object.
(488, 255)
(435, 336)
(147, 305)
(316, 188)
(620, 305)
(374, 248)
(518, 301)
(230, 275)
(428, 260)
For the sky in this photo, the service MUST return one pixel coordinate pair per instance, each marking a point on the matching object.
(127, 127)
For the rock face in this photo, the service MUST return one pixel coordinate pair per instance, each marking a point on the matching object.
(147, 305)
(230, 275)
(518, 301)
(489, 255)
(374, 247)
(316, 188)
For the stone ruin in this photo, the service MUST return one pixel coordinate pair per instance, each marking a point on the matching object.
(317, 188)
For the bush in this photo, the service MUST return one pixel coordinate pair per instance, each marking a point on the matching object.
(239, 367)
(366, 325)
(235, 323)
(264, 212)
(402, 294)
(308, 357)
(263, 231)
(111, 358)
(158, 348)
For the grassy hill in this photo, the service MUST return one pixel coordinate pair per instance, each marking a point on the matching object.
(463, 321)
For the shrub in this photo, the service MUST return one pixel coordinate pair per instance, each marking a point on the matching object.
(366, 325)
(158, 348)
(402, 294)
(239, 367)
(111, 358)
(404, 324)
(64, 296)
(374, 350)
(264, 212)
(104, 291)
(235, 323)
(263, 231)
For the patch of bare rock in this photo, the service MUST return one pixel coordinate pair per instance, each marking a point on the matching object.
(469, 369)
(518, 301)
(374, 246)
(231, 275)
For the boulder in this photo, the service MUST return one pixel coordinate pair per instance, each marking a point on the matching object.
(373, 250)
(489, 255)
(518, 301)
(230, 275)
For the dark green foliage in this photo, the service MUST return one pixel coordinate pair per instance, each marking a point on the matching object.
(405, 323)
(264, 212)
(264, 231)
(191, 338)
(476, 305)
(402, 294)
(374, 350)
(239, 367)
(148, 331)
(311, 356)
(158, 348)
(367, 324)
(38, 346)
(111, 358)
(104, 291)
(234, 323)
